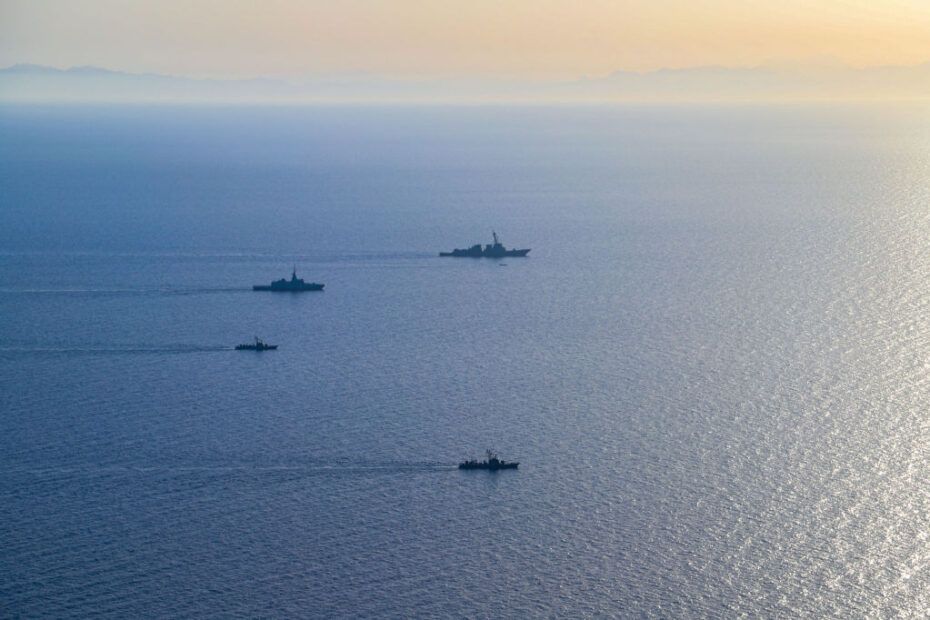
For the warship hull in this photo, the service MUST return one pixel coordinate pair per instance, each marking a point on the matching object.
(485, 254)
(258, 345)
(489, 466)
(491, 250)
(493, 463)
(289, 289)
(294, 285)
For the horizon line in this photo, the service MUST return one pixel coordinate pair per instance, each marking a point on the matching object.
(777, 63)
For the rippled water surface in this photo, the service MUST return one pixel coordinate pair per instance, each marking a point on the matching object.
(713, 366)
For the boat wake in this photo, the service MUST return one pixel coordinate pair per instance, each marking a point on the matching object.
(288, 471)
(114, 350)
(122, 292)
(379, 466)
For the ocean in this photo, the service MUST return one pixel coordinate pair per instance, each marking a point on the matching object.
(713, 366)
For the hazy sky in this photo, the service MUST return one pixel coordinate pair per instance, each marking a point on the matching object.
(430, 38)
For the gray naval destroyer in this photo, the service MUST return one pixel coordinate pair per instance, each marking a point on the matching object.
(294, 285)
(491, 250)
(493, 463)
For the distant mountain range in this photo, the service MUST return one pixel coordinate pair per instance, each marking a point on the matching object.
(819, 79)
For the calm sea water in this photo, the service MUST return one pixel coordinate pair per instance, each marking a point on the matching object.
(714, 365)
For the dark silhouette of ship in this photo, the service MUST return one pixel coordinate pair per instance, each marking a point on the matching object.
(258, 346)
(493, 463)
(491, 250)
(294, 285)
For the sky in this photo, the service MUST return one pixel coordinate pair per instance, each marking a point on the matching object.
(417, 39)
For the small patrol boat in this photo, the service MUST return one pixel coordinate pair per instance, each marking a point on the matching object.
(493, 463)
(259, 345)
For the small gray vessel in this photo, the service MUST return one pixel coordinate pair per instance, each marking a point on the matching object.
(493, 463)
(259, 345)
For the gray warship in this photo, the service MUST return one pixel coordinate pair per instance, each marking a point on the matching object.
(493, 463)
(294, 285)
(259, 345)
(491, 250)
